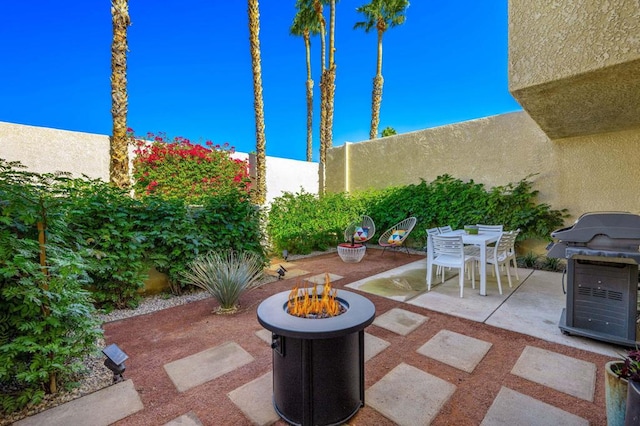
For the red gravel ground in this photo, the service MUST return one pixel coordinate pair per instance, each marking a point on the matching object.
(155, 339)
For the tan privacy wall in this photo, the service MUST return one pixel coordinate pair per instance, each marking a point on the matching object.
(574, 67)
(582, 174)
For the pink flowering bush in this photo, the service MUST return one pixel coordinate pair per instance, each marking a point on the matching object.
(180, 169)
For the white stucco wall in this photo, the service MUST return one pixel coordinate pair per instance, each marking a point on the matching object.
(45, 150)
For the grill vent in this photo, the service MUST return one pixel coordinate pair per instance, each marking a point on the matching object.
(600, 292)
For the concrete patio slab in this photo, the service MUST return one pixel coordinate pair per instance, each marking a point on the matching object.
(457, 350)
(446, 298)
(513, 408)
(321, 278)
(255, 400)
(401, 284)
(373, 346)
(560, 372)
(400, 321)
(199, 368)
(100, 408)
(189, 419)
(409, 396)
(536, 307)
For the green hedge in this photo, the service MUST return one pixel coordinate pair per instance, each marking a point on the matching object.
(304, 222)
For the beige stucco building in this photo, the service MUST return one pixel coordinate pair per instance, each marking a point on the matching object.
(574, 67)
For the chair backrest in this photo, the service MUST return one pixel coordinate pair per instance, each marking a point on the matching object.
(450, 245)
(361, 230)
(405, 225)
(444, 229)
(433, 231)
(489, 228)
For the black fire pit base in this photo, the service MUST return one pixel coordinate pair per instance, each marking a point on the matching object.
(318, 364)
(603, 337)
(319, 381)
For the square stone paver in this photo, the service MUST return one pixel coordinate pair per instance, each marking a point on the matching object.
(400, 321)
(457, 350)
(199, 368)
(265, 335)
(189, 419)
(513, 408)
(560, 372)
(101, 408)
(409, 396)
(255, 400)
(373, 346)
(321, 278)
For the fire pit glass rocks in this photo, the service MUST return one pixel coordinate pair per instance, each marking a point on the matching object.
(318, 363)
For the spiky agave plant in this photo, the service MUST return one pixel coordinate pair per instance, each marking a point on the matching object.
(225, 275)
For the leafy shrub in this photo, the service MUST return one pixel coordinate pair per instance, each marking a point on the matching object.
(303, 222)
(225, 275)
(180, 169)
(48, 321)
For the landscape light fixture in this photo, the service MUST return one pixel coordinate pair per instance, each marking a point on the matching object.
(281, 271)
(285, 254)
(115, 361)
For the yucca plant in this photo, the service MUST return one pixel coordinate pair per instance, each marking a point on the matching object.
(225, 275)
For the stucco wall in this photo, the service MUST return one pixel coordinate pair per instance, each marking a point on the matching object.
(581, 174)
(574, 65)
(45, 150)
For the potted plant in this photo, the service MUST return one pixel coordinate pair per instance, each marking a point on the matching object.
(622, 387)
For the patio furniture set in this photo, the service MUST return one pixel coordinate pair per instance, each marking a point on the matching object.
(463, 249)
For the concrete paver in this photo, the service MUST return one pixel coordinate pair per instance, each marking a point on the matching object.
(199, 368)
(457, 350)
(409, 396)
(189, 419)
(513, 408)
(100, 408)
(373, 346)
(560, 372)
(321, 278)
(255, 400)
(400, 321)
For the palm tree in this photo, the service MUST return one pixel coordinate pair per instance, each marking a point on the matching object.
(381, 15)
(258, 104)
(306, 24)
(318, 7)
(119, 154)
(330, 80)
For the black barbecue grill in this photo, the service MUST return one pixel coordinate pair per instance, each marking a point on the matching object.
(602, 252)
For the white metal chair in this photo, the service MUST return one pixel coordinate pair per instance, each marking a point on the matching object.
(489, 228)
(499, 256)
(360, 231)
(512, 252)
(396, 236)
(448, 251)
(446, 228)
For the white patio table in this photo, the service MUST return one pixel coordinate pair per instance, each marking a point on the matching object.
(481, 240)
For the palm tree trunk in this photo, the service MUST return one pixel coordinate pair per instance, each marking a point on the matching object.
(331, 78)
(119, 153)
(307, 45)
(376, 101)
(259, 194)
(317, 4)
(376, 95)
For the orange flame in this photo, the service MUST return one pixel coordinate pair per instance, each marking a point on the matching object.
(303, 303)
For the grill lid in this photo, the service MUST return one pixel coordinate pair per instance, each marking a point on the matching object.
(600, 234)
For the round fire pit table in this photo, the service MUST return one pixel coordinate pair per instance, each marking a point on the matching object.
(318, 363)
(351, 253)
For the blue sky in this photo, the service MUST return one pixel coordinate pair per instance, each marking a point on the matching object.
(189, 70)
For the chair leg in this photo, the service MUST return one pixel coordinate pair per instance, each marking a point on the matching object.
(515, 267)
(429, 272)
(497, 270)
(461, 279)
(508, 267)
